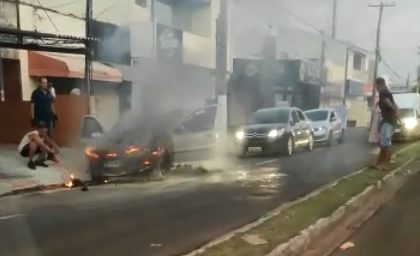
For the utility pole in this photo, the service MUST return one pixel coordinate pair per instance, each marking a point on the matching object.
(88, 53)
(346, 72)
(334, 20)
(221, 48)
(381, 7)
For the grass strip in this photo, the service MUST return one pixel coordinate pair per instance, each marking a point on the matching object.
(292, 220)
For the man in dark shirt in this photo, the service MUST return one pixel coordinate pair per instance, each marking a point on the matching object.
(389, 116)
(42, 105)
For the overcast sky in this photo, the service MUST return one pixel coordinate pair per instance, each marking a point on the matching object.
(356, 23)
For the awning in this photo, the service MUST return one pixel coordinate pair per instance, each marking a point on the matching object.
(69, 66)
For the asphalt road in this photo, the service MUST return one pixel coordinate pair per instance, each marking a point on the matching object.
(174, 216)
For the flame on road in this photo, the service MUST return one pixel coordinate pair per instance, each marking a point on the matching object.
(70, 183)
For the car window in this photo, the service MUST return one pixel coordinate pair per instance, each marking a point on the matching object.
(295, 117)
(271, 116)
(201, 120)
(301, 116)
(317, 115)
(90, 126)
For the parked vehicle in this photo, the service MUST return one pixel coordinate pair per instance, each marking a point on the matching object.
(203, 129)
(127, 150)
(327, 126)
(408, 126)
(276, 130)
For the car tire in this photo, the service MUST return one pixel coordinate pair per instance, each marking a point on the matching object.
(342, 136)
(289, 146)
(330, 140)
(96, 176)
(311, 143)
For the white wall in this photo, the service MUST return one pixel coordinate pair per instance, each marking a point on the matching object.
(105, 105)
(199, 51)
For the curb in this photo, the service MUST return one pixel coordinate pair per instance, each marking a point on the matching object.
(38, 188)
(279, 209)
(309, 236)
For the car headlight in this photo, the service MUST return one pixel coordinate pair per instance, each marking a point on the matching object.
(240, 135)
(275, 133)
(90, 152)
(410, 123)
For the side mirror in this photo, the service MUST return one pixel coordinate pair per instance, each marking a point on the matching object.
(333, 119)
(291, 122)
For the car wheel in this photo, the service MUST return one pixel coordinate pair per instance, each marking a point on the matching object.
(289, 146)
(342, 136)
(310, 146)
(330, 139)
(96, 176)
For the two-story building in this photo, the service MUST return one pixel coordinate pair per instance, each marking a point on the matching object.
(153, 53)
(344, 67)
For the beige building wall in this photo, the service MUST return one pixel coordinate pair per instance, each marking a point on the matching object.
(105, 105)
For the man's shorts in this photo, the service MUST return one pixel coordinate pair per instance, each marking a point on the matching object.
(386, 134)
(25, 151)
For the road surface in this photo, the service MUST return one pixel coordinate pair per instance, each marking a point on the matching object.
(171, 217)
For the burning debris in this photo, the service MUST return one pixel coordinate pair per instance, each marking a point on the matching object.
(75, 182)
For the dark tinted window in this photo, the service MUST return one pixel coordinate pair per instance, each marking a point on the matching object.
(90, 126)
(201, 120)
(295, 117)
(317, 115)
(271, 116)
(301, 116)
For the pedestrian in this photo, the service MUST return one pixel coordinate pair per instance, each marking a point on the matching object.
(388, 122)
(42, 106)
(38, 143)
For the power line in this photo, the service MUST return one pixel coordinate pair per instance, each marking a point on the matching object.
(107, 8)
(390, 68)
(71, 15)
(300, 19)
(49, 18)
(65, 4)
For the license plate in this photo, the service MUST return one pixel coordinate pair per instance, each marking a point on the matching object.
(254, 149)
(112, 164)
(397, 130)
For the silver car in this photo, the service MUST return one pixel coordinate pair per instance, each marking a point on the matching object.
(327, 126)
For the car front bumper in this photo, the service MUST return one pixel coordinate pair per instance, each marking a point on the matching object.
(119, 166)
(321, 135)
(262, 142)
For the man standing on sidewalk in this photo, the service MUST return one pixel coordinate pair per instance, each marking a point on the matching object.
(42, 105)
(389, 116)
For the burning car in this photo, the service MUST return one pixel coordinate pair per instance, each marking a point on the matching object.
(130, 148)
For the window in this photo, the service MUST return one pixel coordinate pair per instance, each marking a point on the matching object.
(200, 121)
(317, 115)
(301, 116)
(271, 116)
(358, 60)
(333, 116)
(91, 126)
(295, 117)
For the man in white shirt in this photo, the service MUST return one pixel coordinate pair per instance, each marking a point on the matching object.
(37, 142)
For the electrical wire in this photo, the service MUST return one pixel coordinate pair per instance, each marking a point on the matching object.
(49, 18)
(390, 68)
(107, 8)
(64, 4)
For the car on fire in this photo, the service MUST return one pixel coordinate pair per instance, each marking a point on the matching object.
(281, 129)
(326, 125)
(130, 148)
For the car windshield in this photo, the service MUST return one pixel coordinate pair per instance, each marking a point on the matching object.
(406, 112)
(318, 115)
(271, 116)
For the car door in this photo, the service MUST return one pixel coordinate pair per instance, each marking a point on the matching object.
(335, 124)
(197, 132)
(305, 126)
(296, 127)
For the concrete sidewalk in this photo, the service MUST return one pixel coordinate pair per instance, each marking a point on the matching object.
(14, 173)
(393, 230)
